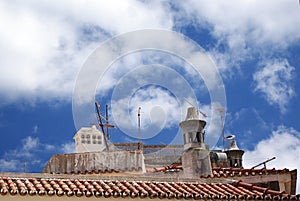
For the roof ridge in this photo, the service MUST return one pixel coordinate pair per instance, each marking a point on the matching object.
(123, 188)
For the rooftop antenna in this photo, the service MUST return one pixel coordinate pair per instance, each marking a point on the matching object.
(24, 166)
(198, 111)
(100, 123)
(139, 124)
(139, 128)
(264, 163)
(106, 119)
(222, 123)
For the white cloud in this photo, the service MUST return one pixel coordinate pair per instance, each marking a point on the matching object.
(159, 109)
(29, 146)
(284, 144)
(242, 28)
(133, 62)
(247, 135)
(30, 143)
(274, 81)
(45, 43)
(9, 165)
(13, 160)
(31, 151)
(68, 147)
(176, 81)
(49, 147)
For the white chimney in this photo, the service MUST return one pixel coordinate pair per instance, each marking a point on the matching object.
(195, 158)
(233, 145)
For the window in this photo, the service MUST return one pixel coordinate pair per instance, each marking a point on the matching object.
(83, 139)
(99, 139)
(94, 136)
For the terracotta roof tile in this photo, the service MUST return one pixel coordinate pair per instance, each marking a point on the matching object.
(115, 188)
(220, 172)
(238, 172)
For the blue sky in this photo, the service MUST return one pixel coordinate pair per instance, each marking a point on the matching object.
(254, 45)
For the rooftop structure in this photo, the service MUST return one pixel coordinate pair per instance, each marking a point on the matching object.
(89, 139)
(51, 187)
(135, 170)
(96, 162)
(275, 179)
(93, 187)
(195, 158)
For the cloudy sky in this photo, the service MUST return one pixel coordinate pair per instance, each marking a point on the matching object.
(253, 46)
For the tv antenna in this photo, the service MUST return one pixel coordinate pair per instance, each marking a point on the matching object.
(139, 128)
(101, 124)
(139, 124)
(198, 111)
(220, 110)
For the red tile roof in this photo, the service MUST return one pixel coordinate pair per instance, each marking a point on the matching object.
(169, 168)
(219, 172)
(238, 172)
(152, 189)
(235, 173)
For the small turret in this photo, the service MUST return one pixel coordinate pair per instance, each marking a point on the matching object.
(195, 158)
(234, 154)
(193, 129)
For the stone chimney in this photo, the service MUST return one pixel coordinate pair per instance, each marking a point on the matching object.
(195, 157)
(234, 155)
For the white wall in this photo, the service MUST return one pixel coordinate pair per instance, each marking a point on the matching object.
(89, 139)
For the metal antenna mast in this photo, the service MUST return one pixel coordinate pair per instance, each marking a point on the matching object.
(24, 166)
(101, 124)
(106, 118)
(222, 123)
(139, 124)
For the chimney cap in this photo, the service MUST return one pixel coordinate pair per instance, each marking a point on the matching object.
(230, 137)
(192, 113)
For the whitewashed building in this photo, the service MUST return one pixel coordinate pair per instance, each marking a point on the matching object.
(89, 139)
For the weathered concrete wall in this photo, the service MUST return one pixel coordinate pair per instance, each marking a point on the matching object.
(96, 162)
(196, 163)
(161, 161)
